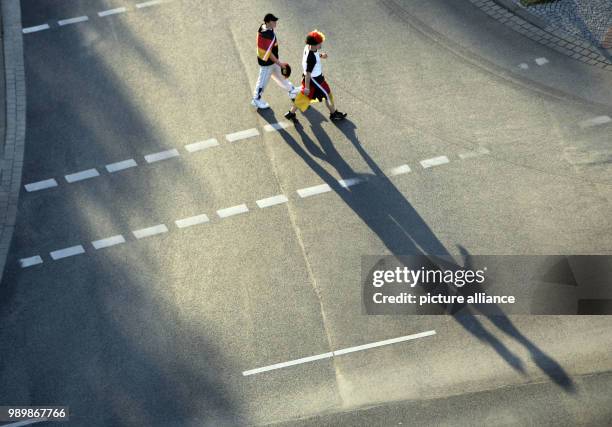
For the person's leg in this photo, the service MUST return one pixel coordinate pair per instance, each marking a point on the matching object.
(330, 106)
(262, 82)
(283, 82)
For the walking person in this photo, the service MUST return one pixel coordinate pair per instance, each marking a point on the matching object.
(314, 86)
(269, 63)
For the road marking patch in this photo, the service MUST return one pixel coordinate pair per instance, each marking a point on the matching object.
(243, 134)
(81, 176)
(70, 21)
(150, 3)
(41, 185)
(338, 353)
(313, 191)
(110, 12)
(541, 61)
(277, 126)
(272, 201)
(35, 29)
(29, 262)
(595, 121)
(150, 231)
(234, 210)
(400, 170)
(434, 161)
(191, 221)
(119, 166)
(108, 242)
(162, 155)
(67, 252)
(523, 66)
(202, 145)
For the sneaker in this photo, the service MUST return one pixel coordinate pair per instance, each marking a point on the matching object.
(290, 116)
(337, 116)
(294, 92)
(260, 104)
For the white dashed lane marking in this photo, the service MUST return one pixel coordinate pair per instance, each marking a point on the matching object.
(191, 221)
(108, 242)
(400, 170)
(81, 176)
(150, 231)
(277, 126)
(523, 66)
(541, 61)
(313, 191)
(119, 166)
(243, 134)
(29, 262)
(70, 21)
(234, 210)
(338, 353)
(272, 201)
(435, 161)
(67, 252)
(164, 155)
(346, 183)
(35, 29)
(110, 12)
(202, 145)
(595, 121)
(41, 185)
(150, 3)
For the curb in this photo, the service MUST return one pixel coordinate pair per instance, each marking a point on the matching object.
(12, 153)
(535, 28)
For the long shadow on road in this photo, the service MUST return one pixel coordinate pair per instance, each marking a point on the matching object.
(398, 225)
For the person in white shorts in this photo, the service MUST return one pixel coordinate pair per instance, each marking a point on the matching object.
(269, 63)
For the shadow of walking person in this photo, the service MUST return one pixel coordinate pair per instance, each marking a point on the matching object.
(387, 213)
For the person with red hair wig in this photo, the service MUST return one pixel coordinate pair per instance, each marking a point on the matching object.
(314, 86)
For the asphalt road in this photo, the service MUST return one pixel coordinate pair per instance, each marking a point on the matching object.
(159, 330)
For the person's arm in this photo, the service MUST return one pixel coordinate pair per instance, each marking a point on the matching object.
(307, 84)
(323, 55)
(274, 59)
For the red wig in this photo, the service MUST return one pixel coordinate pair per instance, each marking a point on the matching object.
(315, 37)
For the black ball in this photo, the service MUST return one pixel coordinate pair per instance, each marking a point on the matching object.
(286, 71)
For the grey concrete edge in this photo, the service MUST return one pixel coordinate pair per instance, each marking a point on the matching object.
(12, 154)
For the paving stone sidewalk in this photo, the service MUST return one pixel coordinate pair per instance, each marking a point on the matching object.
(12, 122)
(580, 29)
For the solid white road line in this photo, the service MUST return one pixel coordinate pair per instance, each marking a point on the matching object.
(29, 262)
(313, 191)
(202, 145)
(383, 343)
(163, 155)
(435, 161)
(346, 183)
(286, 364)
(541, 61)
(119, 166)
(112, 12)
(83, 175)
(338, 353)
(399, 170)
(26, 422)
(150, 231)
(149, 3)
(35, 29)
(234, 210)
(243, 134)
(271, 201)
(73, 20)
(595, 121)
(108, 242)
(194, 220)
(277, 126)
(41, 185)
(67, 252)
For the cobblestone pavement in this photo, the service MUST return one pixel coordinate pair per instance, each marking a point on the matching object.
(585, 40)
(590, 20)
